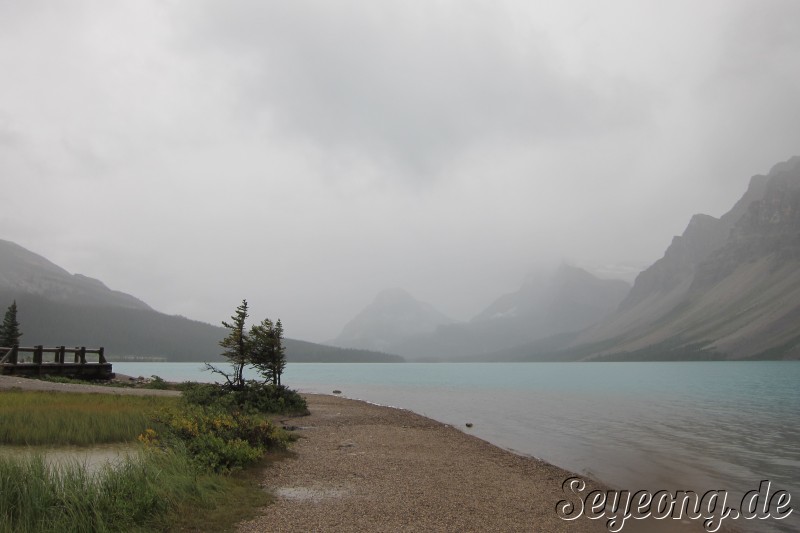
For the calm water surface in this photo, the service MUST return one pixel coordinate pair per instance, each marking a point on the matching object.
(91, 458)
(677, 426)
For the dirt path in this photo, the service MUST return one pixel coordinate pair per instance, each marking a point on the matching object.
(14, 382)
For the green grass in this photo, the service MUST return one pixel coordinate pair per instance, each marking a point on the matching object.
(169, 486)
(53, 418)
(155, 491)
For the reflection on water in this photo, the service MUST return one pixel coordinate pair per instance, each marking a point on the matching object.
(92, 458)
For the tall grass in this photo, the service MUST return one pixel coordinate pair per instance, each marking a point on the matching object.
(154, 491)
(53, 418)
(170, 485)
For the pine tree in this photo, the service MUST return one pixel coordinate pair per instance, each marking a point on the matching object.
(10, 333)
(237, 347)
(277, 361)
(267, 353)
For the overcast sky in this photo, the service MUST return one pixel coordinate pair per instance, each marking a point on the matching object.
(307, 154)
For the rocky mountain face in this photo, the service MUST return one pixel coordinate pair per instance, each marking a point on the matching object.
(393, 316)
(727, 287)
(58, 308)
(566, 300)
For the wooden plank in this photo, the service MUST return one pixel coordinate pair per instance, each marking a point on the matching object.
(37, 355)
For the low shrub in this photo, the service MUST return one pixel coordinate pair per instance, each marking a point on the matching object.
(254, 397)
(216, 439)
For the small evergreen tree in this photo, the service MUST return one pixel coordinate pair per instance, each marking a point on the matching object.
(268, 354)
(261, 345)
(278, 356)
(9, 332)
(237, 348)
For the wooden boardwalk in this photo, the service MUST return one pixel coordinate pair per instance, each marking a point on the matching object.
(54, 362)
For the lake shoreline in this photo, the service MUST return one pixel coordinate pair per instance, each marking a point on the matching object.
(360, 466)
(364, 467)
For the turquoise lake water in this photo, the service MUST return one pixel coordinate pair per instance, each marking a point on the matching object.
(674, 426)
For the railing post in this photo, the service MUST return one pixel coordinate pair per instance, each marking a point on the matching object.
(83, 355)
(37, 354)
(62, 350)
(75, 354)
(102, 356)
(14, 354)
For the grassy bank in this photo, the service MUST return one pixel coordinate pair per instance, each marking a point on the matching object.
(51, 418)
(194, 470)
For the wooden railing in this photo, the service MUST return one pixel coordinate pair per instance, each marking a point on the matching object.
(12, 354)
(54, 360)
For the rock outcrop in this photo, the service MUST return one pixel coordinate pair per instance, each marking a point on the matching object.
(726, 288)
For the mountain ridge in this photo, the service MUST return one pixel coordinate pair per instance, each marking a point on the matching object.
(568, 299)
(26, 272)
(59, 308)
(726, 286)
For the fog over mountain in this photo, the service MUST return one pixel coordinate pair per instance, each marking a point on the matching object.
(393, 316)
(729, 285)
(308, 155)
(57, 308)
(566, 300)
(728, 288)
(23, 272)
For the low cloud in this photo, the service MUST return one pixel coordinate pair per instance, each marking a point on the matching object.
(307, 154)
(414, 85)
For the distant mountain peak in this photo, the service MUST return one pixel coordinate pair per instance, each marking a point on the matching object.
(790, 165)
(567, 299)
(393, 295)
(392, 316)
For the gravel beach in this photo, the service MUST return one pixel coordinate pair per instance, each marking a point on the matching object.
(359, 467)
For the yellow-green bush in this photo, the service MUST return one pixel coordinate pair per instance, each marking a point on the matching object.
(216, 439)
